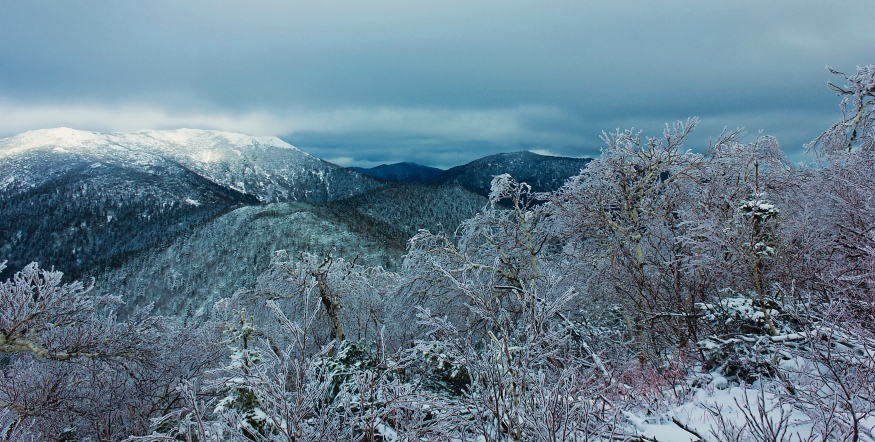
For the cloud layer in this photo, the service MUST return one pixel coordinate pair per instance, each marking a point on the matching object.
(438, 83)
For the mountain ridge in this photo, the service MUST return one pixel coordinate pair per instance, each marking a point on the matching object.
(544, 173)
(405, 172)
(265, 167)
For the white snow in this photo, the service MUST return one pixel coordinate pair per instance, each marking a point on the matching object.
(701, 414)
(58, 138)
(207, 156)
(202, 139)
(192, 140)
(234, 160)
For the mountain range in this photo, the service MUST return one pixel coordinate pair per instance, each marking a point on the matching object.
(544, 173)
(266, 168)
(181, 218)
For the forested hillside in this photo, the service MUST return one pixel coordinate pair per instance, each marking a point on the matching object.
(658, 294)
(206, 264)
(409, 208)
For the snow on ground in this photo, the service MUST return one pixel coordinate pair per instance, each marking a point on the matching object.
(703, 414)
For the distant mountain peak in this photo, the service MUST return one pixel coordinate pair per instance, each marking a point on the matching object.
(161, 140)
(544, 173)
(60, 137)
(264, 167)
(406, 172)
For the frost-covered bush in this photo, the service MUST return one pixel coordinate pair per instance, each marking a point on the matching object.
(743, 347)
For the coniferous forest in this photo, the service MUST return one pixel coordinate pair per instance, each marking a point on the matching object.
(667, 292)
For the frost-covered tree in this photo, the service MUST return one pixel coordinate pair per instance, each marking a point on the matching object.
(507, 346)
(352, 296)
(70, 371)
(624, 214)
(506, 246)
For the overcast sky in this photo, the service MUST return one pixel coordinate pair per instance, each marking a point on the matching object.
(435, 82)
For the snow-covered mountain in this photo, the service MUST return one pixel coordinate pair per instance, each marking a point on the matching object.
(144, 211)
(74, 199)
(264, 167)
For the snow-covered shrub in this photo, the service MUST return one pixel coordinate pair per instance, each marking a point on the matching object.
(441, 369)
(743, 347)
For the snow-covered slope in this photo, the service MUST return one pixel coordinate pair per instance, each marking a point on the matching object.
(72, 199)
(215, 259)
(265, 167)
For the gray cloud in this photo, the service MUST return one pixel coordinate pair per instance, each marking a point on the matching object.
(433, 82)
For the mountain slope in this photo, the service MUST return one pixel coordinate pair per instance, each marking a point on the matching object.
(229, 252)
(73, 199)
(213, 260)
(403, 172)
(543, 173)
(85, 212)
(265, 167)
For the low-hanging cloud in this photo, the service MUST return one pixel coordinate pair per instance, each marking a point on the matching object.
(439, 83)
(491, 127)
(439, 137)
